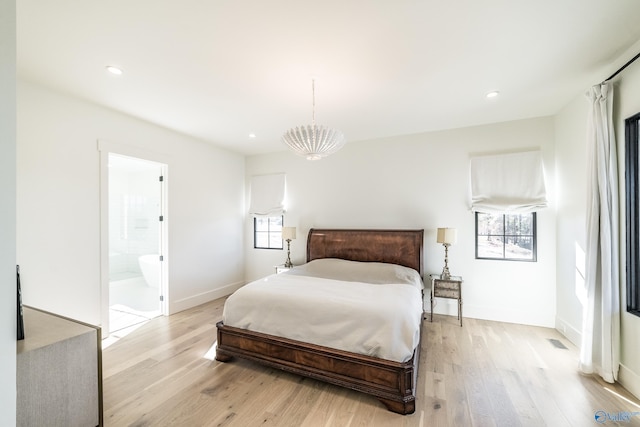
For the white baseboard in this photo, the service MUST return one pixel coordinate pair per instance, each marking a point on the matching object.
(571, 333)
(447, 307)
(202, 298)
(504, 314)
(626, 377)
(629, 380)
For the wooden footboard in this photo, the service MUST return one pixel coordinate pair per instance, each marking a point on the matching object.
(393, 383)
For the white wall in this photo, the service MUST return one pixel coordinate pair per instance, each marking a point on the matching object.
(421, 181)
(8, 212)
(627, 103)
(571, 175)
(571, 166)
(59, 209)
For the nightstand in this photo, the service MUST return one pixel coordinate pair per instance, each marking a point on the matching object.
(281, 268)
(447, 288)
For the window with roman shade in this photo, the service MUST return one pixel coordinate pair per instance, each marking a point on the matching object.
(508, 183)
(267, 208)
(506, 192)
(267, 195)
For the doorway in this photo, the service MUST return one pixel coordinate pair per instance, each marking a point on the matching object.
(136, 231)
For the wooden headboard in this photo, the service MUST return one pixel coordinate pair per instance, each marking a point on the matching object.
(403, 247)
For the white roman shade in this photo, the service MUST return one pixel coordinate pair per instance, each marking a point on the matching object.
(508, 183)
(267, 195)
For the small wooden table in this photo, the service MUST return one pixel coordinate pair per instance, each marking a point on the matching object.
(447, 288)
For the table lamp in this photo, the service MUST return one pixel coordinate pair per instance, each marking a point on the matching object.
(446, 236)
(288, 234)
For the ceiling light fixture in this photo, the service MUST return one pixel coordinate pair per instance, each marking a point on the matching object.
(493, 94)
(313, 141)
(114, 70)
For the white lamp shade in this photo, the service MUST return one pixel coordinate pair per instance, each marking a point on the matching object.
(447, 236)
(288, 233)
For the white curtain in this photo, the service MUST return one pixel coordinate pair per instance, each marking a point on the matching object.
(512, 182)
(267, 195)
(599, 350)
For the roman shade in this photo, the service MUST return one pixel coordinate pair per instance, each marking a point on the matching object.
(267, 195)
(508, 183)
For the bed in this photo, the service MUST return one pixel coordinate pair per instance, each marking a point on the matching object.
(388, 373)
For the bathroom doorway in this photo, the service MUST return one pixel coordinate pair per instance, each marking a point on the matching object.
(136, 234)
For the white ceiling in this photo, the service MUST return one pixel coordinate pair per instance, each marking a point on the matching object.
(219, 70)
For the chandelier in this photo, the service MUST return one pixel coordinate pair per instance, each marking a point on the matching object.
(313, 141)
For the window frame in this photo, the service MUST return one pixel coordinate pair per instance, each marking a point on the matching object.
(533, 235)
(632, 208)
(269, 232)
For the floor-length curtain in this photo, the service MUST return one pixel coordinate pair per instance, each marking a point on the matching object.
(599, 350)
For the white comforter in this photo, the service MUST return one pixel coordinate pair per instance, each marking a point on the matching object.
(366, 308)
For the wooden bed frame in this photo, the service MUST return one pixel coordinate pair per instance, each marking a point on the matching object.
(393, 383)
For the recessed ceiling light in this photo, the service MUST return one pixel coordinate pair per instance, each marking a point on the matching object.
(114, 70)
(493, 94)
(252, 135)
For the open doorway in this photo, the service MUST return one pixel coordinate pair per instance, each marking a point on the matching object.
(136, 232)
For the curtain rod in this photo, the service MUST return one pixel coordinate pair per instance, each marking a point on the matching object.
(622, 68)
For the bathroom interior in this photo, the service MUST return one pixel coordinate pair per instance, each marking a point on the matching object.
(135, 233)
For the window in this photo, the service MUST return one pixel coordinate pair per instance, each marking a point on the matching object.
(632, 173)
(267, 232)
(506, 236)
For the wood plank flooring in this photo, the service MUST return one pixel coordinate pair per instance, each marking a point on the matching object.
(483, 374)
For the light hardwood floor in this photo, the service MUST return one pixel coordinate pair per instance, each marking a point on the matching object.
(483, 374)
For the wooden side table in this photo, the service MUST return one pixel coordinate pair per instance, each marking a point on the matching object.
(447, 288)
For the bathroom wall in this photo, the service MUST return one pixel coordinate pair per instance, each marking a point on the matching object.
(134, 210)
